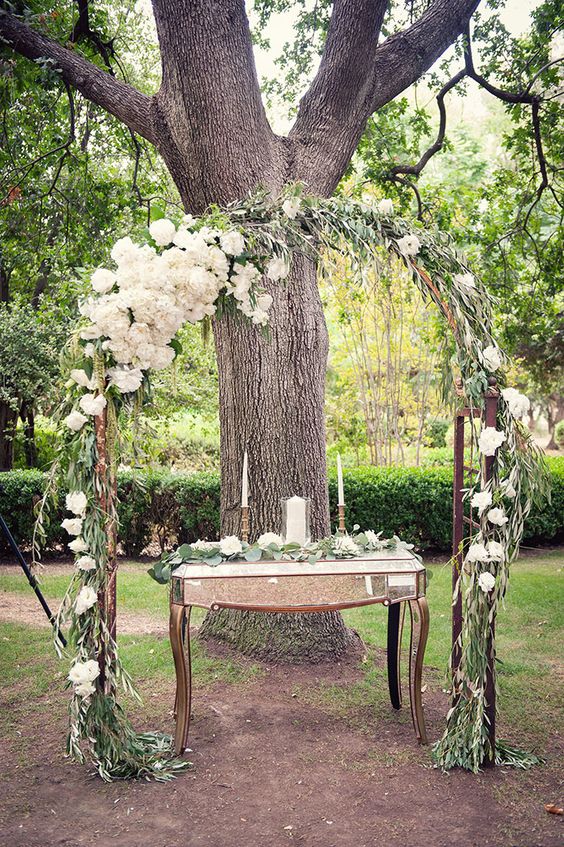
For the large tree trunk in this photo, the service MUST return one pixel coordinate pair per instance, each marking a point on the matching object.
(272, 405)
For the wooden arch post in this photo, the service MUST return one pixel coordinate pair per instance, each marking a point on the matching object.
(463, 525)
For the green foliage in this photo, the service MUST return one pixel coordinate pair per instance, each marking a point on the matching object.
(559, 434)
(435, 433)
(414, 503)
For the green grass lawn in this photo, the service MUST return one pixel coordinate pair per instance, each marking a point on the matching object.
(529, 637)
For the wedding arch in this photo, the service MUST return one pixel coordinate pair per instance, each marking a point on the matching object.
(205, 267)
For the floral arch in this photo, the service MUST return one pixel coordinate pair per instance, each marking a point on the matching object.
(211, 266)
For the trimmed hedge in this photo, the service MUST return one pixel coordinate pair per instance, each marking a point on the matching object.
(414, 503)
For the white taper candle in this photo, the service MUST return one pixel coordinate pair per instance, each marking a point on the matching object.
(341, 500)
(245, 482)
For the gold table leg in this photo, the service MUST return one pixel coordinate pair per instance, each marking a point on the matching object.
(419, 611)
(183, 668)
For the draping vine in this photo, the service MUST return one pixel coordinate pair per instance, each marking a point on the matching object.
(199, 268)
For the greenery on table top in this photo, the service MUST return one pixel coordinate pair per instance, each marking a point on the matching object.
(271, 547)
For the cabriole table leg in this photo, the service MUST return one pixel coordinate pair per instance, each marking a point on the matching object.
(182, 665)
(396, 613)
(419, 612)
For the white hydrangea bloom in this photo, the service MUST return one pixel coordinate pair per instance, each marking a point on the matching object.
(491, 358)
(103, 280)
(496, 551)
(79, 545)
(268, 538)
(82, 676)
(477, 553)
(230, 545)
(277, 269)
(81, 378)
(232, 242)
(125, 379)
(386, 206)
(518, 403)
(72, 525)
(162, 231)
(490, 439)
(75, 421)
(93, 404)
(86, 563)
(481, 500)
(497, 516)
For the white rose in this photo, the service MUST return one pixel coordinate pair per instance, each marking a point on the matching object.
(465, 280)
(126, 380)
(491, 358)
(409, 245)
(81, 378)
(92, 404)
(507, 489)
(264, 302)
(277, 269)
(486, 581)
(86, 563)
(103, 280)
(481, 500)
(490, 439)
(232, 242)
(72, 525)
(291, 207)
(496, 551)
(75, 421)
(123, 250)
(477, 553)
(230, 545)
(86, 598)
(162, 231)
(205, 546)
(386, 206)
(84, 689)
(518, 403)
(79, 545)
(84, 672)
(76, 502)
(268, 538)
(497, 516)
(345, 547)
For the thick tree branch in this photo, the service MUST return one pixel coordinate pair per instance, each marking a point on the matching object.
(329, 124)
(121, 100)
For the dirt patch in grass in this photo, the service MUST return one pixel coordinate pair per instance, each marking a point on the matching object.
(274, 762)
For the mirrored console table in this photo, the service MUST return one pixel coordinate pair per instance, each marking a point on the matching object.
(392, 578)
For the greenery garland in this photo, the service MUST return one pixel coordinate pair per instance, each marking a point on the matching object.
(222, 257)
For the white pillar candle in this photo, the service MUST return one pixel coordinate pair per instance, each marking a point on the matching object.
(296, 520)
(341, 499)
(245, 482)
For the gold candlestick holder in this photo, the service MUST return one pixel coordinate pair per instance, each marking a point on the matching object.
(245, 523)
(342, 518)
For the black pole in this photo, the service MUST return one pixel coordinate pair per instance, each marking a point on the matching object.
(32, 581)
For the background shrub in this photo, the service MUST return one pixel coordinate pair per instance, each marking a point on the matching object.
(172, 508)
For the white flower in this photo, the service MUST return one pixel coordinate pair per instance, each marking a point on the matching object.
(123, 249)
(81, 378)
(481, 500)
(205, 546)
(259, 317)
(465, 280)
(126, 380)
(103, 280)
(507, 489)
(230, 545)
(386, 206)
(79, 545)
(497, 516)
(188, 220)
(477, 553)
(75, 421)
(264, 302)
(490, 439)
(486, 581)
(82, 675)
(89, 350)
(277, 269)
(92, 404)
(86, 563)
(496, 551)
(518, 403)
(345, 547)
(232, 242)
(291, 207)
(85, 599)
(76, 502)
(372, 537)
(409, 245)
(72, 525)
(491, 358)
(268, 538)
(162, 231)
